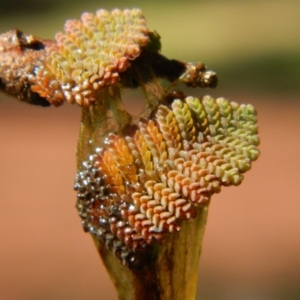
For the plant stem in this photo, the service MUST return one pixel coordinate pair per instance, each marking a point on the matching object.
(174, 272)
(106, 115)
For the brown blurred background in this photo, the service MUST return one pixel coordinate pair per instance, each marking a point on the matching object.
(252, 241)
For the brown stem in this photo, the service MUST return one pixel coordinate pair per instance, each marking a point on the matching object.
(173, 273)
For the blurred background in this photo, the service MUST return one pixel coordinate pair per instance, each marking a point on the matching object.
(251, 247)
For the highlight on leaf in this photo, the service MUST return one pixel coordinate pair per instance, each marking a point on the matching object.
(137, 188)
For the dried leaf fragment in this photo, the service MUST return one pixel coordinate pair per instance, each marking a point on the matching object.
(19, 54)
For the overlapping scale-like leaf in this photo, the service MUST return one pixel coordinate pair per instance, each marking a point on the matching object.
(90, 54)
(138, 188)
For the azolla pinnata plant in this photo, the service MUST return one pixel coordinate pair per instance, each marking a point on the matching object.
(144, 182)
(138, 187)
